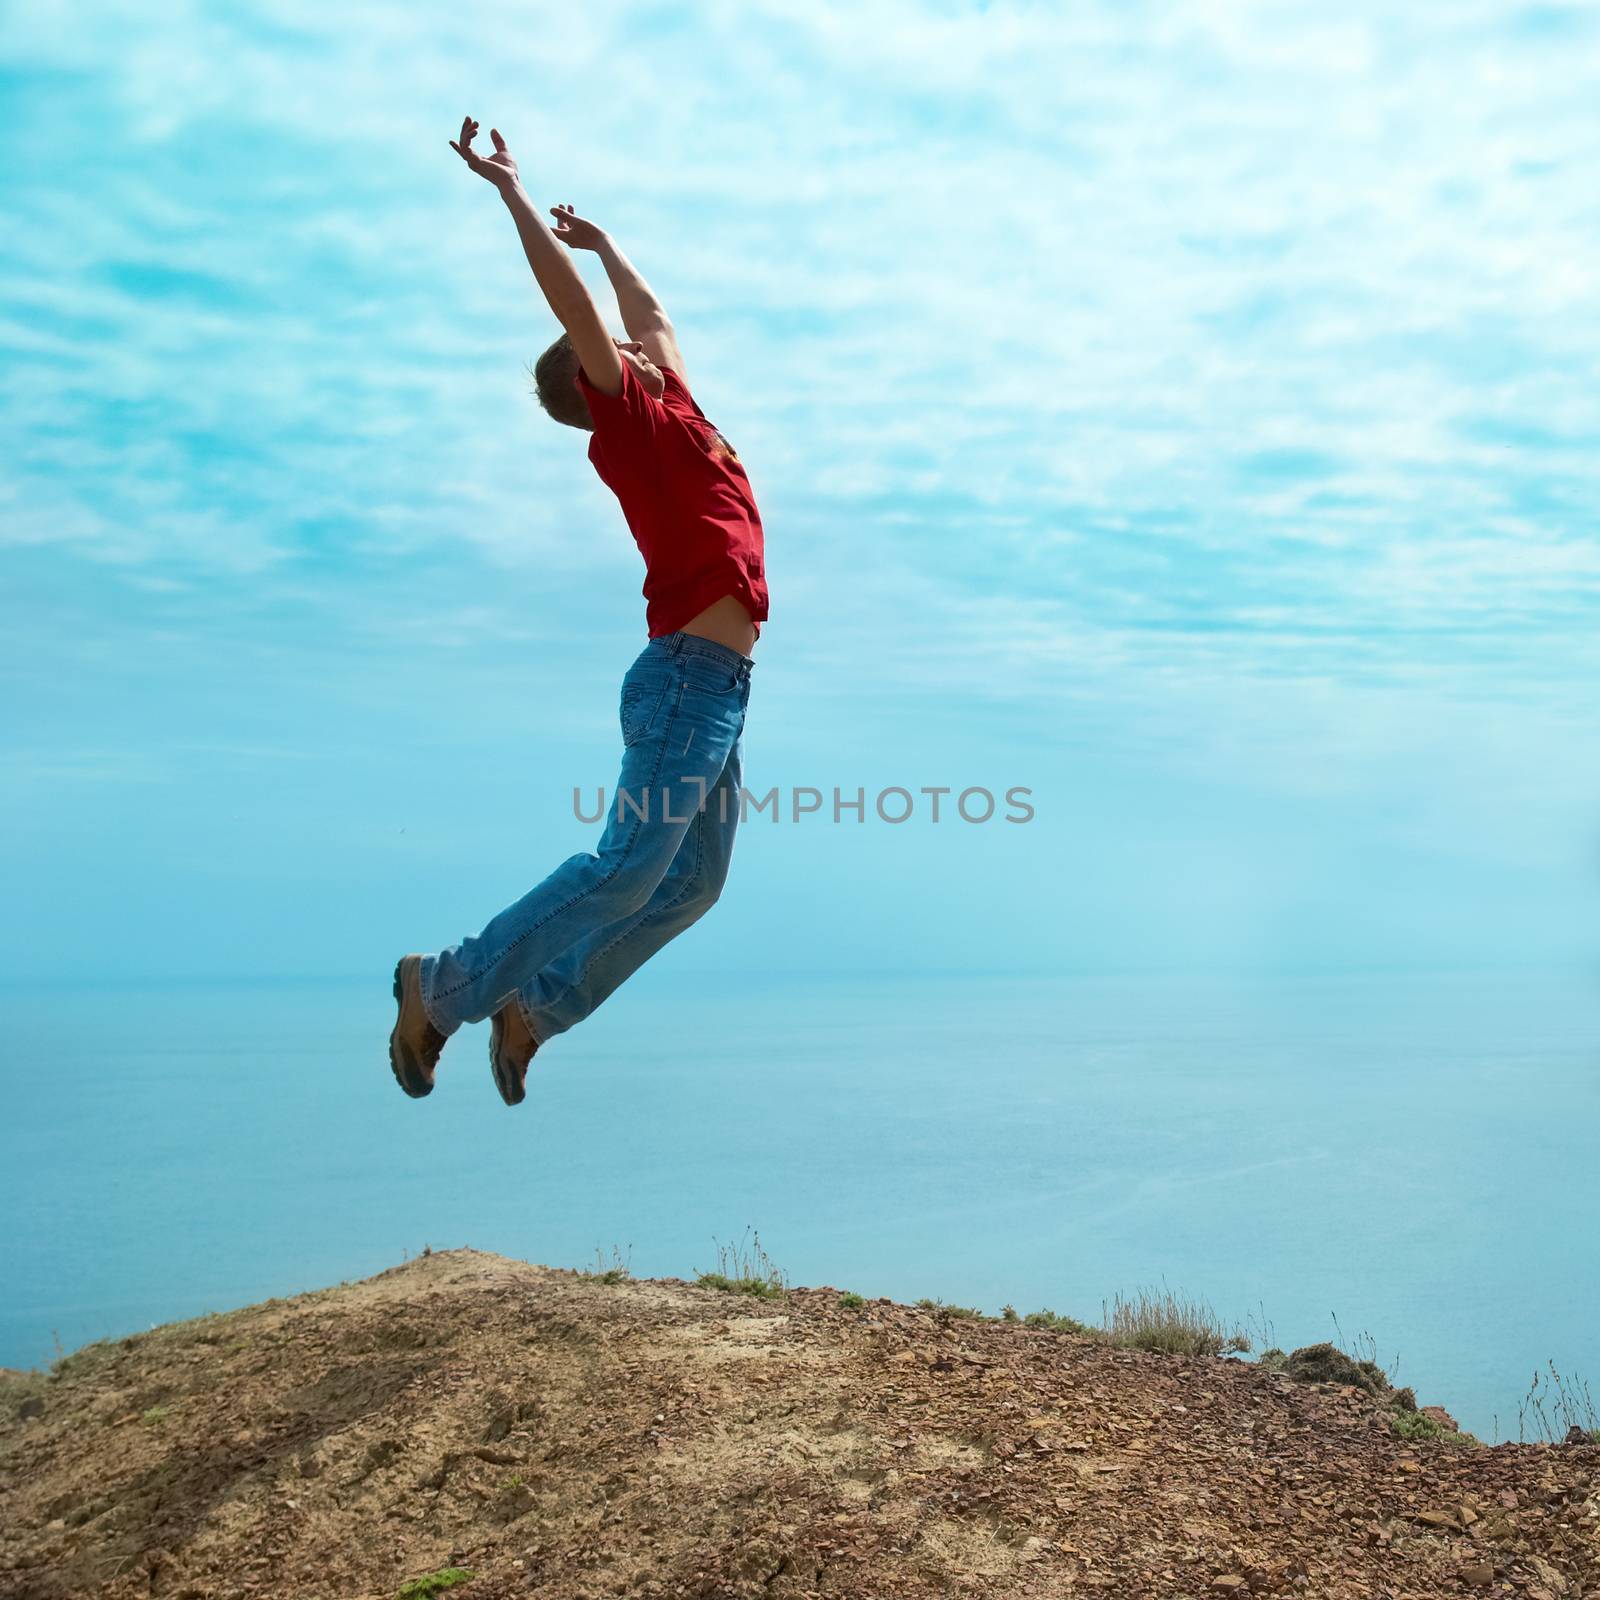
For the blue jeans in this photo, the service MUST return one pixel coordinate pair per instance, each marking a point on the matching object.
(661, 863)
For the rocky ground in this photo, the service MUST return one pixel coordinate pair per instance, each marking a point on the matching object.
(555, 1434)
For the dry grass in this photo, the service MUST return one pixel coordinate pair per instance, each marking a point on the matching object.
(1170, 1323)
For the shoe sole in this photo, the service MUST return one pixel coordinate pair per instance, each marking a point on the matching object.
(505, 1077)
(405, 1071)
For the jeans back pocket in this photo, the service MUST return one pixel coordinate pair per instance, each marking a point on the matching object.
(641, 700)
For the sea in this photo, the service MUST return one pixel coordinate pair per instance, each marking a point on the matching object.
(1407, 1164)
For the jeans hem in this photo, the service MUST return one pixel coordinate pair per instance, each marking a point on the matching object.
(427, 1008)
(536, 1025)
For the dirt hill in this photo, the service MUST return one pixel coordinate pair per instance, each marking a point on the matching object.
(558, 1435)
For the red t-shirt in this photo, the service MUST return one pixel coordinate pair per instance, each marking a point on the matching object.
(685, 495)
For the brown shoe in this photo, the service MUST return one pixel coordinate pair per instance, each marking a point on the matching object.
(511, 1048)
(415, 1044)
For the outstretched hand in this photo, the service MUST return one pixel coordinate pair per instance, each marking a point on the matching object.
(500, 169)
(574, 230)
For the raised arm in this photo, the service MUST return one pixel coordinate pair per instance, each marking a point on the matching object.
(566, 292)
(642, 314)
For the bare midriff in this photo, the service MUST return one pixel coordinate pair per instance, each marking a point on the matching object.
(726, 622)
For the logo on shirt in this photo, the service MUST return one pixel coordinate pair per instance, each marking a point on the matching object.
(716, 443)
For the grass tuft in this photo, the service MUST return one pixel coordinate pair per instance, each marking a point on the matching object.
(1046, 1318)
(1415, 1426)
(617, 1270)
(1171, 1324)
(432, 1583)
(1557, 1409)
(926, 1304)
(745, 1269)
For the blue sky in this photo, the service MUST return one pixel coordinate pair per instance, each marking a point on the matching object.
(1189, 412)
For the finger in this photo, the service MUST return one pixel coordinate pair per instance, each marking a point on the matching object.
(468, 128)
(499, 143)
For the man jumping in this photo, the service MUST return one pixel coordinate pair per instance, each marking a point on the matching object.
(547, 961)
